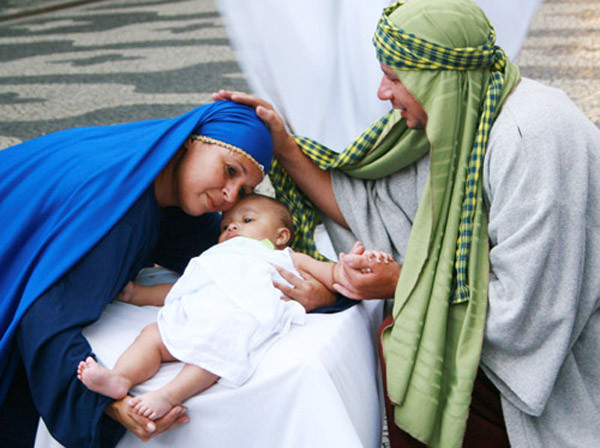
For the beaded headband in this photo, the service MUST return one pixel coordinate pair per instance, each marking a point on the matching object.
(235, 149)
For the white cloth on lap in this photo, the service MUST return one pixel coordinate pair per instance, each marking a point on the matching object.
(321, 377)
(315, 387)
(224, 312)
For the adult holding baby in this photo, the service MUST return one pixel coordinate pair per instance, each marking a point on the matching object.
(484, 186)
(82, 211)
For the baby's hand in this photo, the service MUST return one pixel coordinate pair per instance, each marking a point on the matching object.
(376, 255)
(379, 256)
(127, 294)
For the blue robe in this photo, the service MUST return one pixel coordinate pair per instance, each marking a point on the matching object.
(61, 193)
(79, 218)
(68, 198)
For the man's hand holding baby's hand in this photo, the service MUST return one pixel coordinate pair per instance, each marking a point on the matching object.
(366, 274)
(377, 256)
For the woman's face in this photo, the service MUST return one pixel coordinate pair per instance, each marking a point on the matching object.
(211, 178)
(391, 89)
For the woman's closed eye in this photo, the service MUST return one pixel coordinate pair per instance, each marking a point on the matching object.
(231, 170)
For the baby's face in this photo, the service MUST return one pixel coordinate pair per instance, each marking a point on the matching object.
(252, 218)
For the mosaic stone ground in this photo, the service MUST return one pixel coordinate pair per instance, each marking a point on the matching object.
(95, 62)
(109, 61)
(562, 49)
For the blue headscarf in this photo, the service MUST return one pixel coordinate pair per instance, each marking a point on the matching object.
(238, 126)
(61, 193)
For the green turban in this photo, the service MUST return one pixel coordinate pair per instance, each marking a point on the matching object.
(444, 52)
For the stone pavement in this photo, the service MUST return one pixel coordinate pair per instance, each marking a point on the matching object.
(562, 49)
(67, 63)
(108, 61)
(16, 9)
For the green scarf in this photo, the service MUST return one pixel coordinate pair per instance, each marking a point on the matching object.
(461, 79)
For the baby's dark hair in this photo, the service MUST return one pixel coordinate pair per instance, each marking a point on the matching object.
(282, 211)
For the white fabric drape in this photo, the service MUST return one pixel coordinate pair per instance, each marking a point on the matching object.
(314, 60)
(316, 387)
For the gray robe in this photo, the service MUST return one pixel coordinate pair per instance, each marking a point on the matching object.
(541, 186)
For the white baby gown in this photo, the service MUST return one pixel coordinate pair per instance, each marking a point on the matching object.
(224, 312)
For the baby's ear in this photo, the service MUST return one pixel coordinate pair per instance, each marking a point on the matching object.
(283, 237)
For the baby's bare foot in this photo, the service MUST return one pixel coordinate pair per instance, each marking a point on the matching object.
(152, 404)
(102, 380)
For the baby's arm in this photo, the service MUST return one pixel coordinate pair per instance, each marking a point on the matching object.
(323, 271)
(329, 273)
(144, 295)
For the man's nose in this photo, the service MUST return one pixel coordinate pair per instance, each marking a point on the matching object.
(383, 92)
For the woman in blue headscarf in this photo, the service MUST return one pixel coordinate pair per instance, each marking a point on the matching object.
(82, 211)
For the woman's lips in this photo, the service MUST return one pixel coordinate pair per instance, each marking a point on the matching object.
(211, 204)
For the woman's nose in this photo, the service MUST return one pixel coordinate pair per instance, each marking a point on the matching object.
(231, 192)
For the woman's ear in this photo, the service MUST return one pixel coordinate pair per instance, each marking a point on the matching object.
(283, 237)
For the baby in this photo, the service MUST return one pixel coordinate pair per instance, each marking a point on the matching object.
(221, 316)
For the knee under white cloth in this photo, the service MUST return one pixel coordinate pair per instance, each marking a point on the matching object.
(224, 312)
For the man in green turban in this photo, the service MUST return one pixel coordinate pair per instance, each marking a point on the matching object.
(484, 186)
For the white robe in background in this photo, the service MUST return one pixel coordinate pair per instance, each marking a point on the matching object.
(314, 60)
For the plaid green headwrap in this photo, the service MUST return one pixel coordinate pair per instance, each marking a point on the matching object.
(405, 51)
(444, 54)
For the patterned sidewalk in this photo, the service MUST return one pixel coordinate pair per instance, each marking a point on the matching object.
(562, 49)
(107, 61)
(110, 61)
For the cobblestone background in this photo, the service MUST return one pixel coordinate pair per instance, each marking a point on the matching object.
(96, 62)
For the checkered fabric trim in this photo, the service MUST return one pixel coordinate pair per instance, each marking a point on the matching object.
(461, 294)
(405, 51)
(303, 211)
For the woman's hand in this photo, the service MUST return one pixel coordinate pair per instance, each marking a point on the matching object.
(364, 277)
(143, 427)
(126, 295)
(266, 112)
(307, 291)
